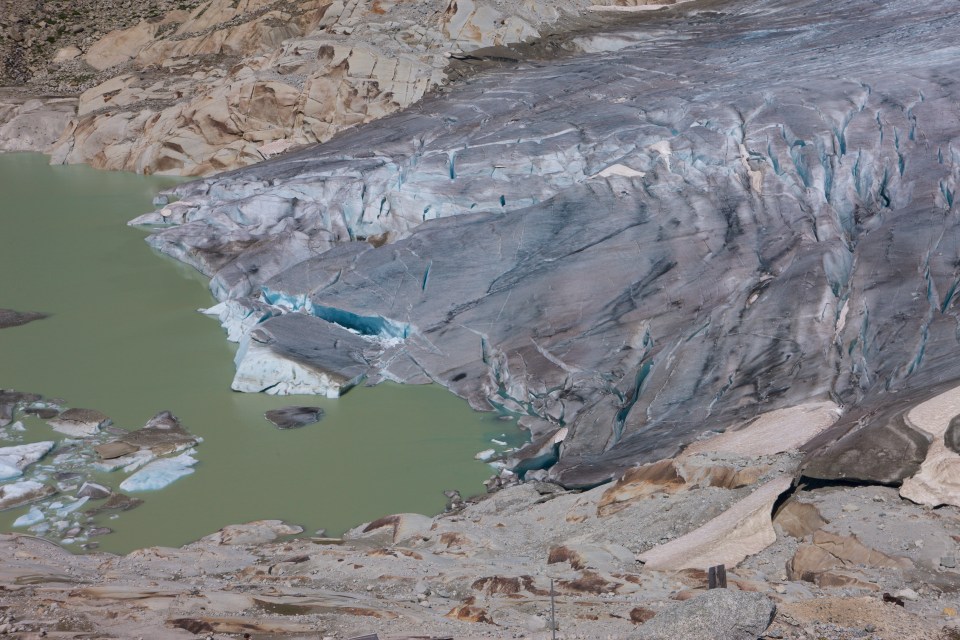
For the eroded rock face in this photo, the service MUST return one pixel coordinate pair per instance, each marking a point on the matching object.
(226, 84)
(755, 248)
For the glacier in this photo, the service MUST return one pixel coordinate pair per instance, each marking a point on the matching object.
(733, 210)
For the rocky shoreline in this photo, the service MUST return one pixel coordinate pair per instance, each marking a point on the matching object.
(836, 561)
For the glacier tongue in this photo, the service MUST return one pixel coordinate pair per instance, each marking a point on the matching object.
(719, 219)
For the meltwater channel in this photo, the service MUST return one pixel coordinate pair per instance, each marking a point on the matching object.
(124, 337)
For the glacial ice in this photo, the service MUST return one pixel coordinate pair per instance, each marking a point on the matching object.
(8, 472)
(13, 460)
(781, 233)
(70, 508)
(160, 473)
(128, 463)
(30, 518)
(260, 369)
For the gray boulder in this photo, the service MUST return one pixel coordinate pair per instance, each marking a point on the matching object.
(718, 614)
(294, 417)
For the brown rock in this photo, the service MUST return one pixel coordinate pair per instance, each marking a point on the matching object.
(116, 449)
(799, 519)
(641, 482)
(884, 451)
(499, 585)
(639, 615)
(831, 559)
(470, 613)
(116, 502)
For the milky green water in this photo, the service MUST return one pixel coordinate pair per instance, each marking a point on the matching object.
(124, 337)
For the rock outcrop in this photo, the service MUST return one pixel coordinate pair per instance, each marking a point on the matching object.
(199, 87)
(666, 237)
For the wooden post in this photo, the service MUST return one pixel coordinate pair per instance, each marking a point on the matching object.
(553, 613)
(717, 577)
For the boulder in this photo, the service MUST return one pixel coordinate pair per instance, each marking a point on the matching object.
(832, 560)
(294, 417)
(11, 318)
(799, 519)
(258, 532)
(718, 614)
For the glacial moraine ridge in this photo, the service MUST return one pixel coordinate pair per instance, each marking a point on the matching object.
(737, 208)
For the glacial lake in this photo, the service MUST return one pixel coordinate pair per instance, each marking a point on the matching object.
(124, 337)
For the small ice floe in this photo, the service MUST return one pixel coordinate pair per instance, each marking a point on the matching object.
(20, 493)
(160, 473)
(13, 460)
(70, 508)
(128, 463)
(29, 518)
(485, 455)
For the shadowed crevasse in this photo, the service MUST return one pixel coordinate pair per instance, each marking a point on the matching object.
(781, 227)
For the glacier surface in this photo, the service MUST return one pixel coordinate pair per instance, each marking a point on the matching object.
(731, 211)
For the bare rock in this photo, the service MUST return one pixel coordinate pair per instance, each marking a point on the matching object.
(94, 491)
(717, 613)
(392, 529)
(832, 560)
(799, 519)
(116, 502)
(294, 417)
(257, 532)
(11, 318)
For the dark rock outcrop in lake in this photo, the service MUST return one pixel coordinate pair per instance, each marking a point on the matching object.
(733, 209)
(11, 318)
(294, 417)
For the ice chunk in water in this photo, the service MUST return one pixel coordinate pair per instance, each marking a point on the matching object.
(160, 473)
(8, 472)
(31, 517)
(71, 507)
(13, 460)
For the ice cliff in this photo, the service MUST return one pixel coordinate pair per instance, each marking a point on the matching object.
(733, 207)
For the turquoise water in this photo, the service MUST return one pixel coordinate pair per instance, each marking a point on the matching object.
(124, 337)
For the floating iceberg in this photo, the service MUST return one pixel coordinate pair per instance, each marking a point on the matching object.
(20, 493)
(29, 518)
(13, 460)
(70, 508)
(160, 473)
(8, 472)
